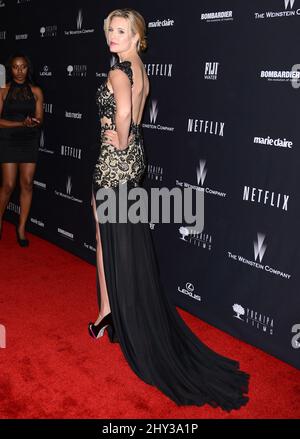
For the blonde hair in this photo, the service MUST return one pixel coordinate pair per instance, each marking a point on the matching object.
(137, 24)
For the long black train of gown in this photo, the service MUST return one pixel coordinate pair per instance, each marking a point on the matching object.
(158, 345)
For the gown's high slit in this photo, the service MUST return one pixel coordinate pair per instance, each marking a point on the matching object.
(158, 345)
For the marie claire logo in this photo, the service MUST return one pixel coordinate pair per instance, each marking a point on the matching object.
(45, 71)
(254, 318)
(79, 29)
(287, 12)
(71, 115)
(77, 70)
(266, 198)
(188, 290)
(217, 16)
(260, 248)
(42, 147)
(161, 23)
(296, 338)
(199, 239)
(70, 151)
(159, 70)
(211, 70)
(67, 194)
(155, 172)
(281, 143)
(201, 173)
(3, 35)
(21, 36)
(214, 128)
(153, 112)
(48, 31)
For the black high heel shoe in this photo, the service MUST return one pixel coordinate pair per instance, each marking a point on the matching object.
(112, 335)
(22, 242)
(96, 331)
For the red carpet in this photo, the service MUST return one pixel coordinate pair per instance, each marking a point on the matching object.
(51, 368)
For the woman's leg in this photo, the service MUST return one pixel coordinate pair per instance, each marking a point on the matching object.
(105, 307)
(27, 171)
(9, 175)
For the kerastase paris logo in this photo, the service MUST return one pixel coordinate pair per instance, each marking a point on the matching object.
(48, 31)
(211, 70)
(153, 112)
(288, 11)
(45, 71)
(199, 239)
(203, 126)
(159, 70)
(266, 198)
(77, 70)
(189, 290)
(201, 174)
(67, 194)
(161, 23)
(217, 16)
(72, 115)
(278, 142)
(292, 76)
(260, 247)
(296, 338)
(80, 30)
(254, 318)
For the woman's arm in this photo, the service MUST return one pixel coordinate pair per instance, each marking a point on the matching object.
(7, 123)
(122, 93)
(39, 105)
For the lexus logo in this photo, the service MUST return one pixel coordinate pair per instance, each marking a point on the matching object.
(259, 247)
(189, 287)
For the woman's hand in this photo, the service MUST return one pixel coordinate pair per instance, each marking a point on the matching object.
(30, 122)
(111, 137)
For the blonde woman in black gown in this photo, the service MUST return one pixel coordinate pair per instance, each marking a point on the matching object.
(158, 345)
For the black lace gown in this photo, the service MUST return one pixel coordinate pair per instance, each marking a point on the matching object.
(158, 345)
(19, 144)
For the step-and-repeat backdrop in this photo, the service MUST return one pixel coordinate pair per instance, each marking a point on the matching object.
(222, 117)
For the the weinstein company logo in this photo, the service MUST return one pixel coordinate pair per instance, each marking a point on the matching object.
(287, 12)
(189, 290)
(296, 338)
(211, 70)
(153, 112)
(79, 30)
(260, 247)
(67, 194)
(42, 144)
(254, 318)
(266, 198)
(201, 173)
